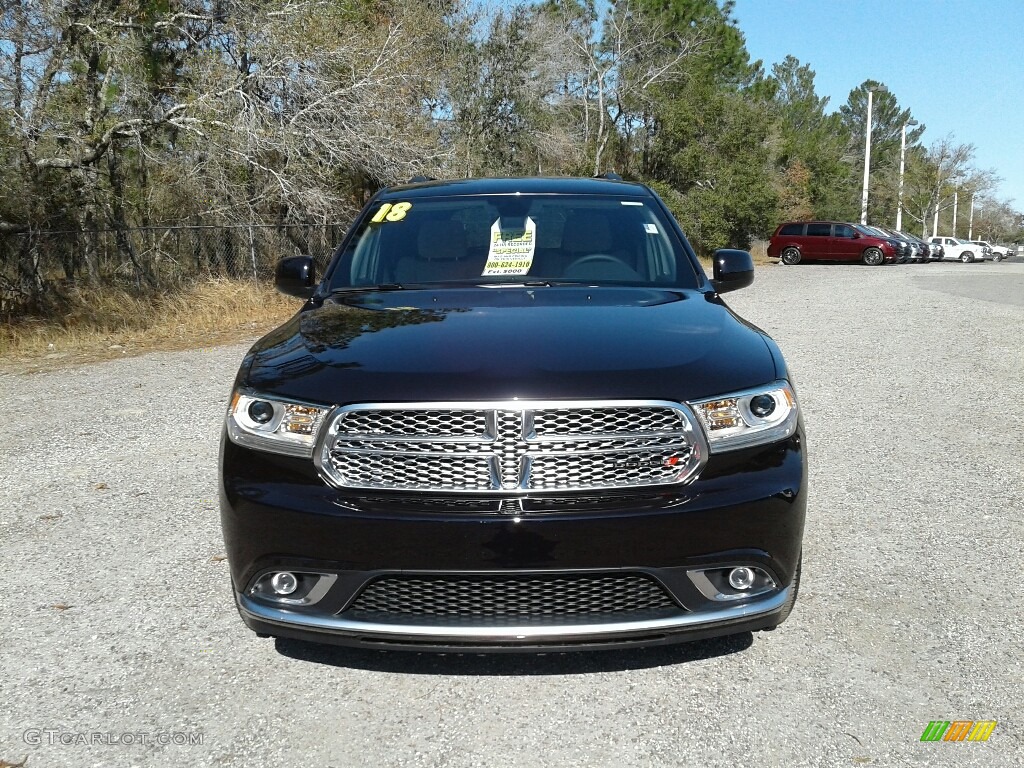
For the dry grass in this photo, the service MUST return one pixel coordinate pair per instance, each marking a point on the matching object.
(759, 250)
(109, 322)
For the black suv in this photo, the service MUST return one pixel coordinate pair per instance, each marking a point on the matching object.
(514, 414)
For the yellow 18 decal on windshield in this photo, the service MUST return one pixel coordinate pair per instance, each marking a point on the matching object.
(389, 212)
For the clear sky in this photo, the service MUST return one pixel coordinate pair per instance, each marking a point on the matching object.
(957, 65)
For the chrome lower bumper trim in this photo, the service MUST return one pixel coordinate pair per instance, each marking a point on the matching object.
(510, 634)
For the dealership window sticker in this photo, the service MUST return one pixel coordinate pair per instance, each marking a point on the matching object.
(511, 249)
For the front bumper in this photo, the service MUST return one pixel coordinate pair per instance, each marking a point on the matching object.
(763, 614)
(746, 508)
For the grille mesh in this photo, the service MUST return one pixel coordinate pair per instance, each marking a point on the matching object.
(585, 421)
(454, 423)
(459, 473)
(517, 447)
(518, 598)
(566, 472)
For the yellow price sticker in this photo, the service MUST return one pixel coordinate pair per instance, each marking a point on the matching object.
(389, 212)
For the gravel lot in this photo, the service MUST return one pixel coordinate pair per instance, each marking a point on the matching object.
(117, 616)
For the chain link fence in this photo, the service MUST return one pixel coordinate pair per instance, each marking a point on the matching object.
(161, 256)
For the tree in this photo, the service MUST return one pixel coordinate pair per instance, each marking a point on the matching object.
(76, 89)
(994, 220)
(934, 176)
(794, 192)
(640, 52)
(887, 122)
(812, 146)
(708, 135)
(723, 58)
(512, 94)
(712, 151)
(116, 113)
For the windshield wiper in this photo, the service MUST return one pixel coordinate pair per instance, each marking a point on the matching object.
(529, 283)
(368, 288)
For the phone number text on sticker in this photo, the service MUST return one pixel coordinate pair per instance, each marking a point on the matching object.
(507, 267)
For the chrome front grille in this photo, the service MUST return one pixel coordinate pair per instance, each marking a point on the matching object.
(510, 598)
(512, 447)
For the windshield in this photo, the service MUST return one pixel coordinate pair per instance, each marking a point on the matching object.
(493, 239)
(872, 231)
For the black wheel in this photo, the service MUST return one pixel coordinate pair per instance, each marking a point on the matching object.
(997, 258)
(790, 256)
(872, 257)
(794, 590)
(966, 257)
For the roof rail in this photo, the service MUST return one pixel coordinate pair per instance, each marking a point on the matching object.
(610, 175)
(418, 179)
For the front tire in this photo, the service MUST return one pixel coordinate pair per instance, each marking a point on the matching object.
(966, 257)
(872, 257)
(790, 256)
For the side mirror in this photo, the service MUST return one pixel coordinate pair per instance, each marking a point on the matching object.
(732, 270)
(855, 235)
(296, 276)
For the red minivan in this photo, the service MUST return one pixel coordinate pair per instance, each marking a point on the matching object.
(796, 241)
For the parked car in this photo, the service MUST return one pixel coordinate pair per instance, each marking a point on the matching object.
(998, 252)
(514, 414)
(955, 249)
(986, 250)
(922, 250)
(796, 241)
(904, 249)
(913, 249)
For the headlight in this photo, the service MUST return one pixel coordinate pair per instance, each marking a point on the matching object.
(274, 425)
(749, 418)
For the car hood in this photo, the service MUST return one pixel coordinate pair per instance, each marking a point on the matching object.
(504, 342)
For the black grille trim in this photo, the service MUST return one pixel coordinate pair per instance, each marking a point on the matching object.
(506, 599)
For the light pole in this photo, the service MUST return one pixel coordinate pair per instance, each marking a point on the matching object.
(867, 155)
(903, 157)
(956, 202)
(970, 226)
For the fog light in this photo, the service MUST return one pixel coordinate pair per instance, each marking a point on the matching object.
(740, 578)
(285, 583)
